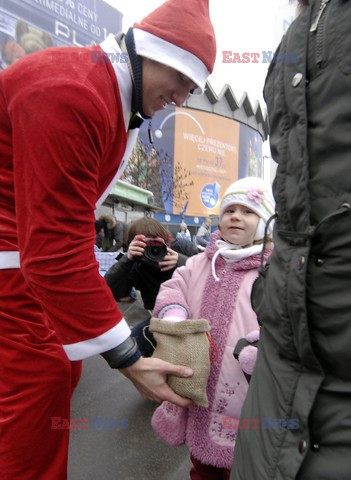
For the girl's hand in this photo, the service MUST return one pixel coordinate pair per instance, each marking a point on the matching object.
(136, 247)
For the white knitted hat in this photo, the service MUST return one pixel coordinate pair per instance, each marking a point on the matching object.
(254, 193)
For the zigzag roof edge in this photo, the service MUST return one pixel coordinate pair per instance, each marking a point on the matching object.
(226, 94)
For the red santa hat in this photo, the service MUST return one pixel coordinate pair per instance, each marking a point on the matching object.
(179, 34)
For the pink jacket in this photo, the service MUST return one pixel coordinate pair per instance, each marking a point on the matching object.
(226, 304)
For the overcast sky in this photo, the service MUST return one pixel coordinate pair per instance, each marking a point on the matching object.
(241, 26)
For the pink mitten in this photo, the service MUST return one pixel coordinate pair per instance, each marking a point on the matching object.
(169, 422)
(248, 355)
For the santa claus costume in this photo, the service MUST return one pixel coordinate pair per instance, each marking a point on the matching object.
(68, 122)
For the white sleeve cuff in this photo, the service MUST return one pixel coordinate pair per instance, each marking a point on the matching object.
(108, 340)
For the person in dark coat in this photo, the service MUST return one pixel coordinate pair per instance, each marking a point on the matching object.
(301, 388)
(203, 236)
(136, 270)
(110, 233)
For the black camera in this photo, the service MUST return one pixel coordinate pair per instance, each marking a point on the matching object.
(154, 252)
(156, 249)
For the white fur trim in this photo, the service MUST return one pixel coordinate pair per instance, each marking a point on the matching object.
(9, 260)
(109, 45)
(125, 86)
(155, 48)
(131, 141)
(108, 340)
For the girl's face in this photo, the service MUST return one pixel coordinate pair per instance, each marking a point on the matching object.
(239, 225)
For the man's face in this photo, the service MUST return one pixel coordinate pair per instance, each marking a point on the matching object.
(162, 85)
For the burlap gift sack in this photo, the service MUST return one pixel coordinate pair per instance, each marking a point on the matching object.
(185, 343)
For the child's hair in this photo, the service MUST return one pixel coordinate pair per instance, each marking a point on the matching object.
(148, 226)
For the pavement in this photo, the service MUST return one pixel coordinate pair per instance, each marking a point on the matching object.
(107, 399)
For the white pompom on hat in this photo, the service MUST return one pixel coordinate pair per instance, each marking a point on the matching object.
(179, 34)
(256, 194)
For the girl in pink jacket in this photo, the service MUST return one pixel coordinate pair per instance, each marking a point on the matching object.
(216, 285)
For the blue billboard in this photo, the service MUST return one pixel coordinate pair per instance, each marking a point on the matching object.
(27, 26)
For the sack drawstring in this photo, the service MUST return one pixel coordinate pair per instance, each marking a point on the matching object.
(146, 338)
(214, 354)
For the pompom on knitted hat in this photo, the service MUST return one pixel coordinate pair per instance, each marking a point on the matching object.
(256, 194)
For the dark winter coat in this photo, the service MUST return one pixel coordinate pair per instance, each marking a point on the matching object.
(303, 299)
(126, 274)
(115, 233)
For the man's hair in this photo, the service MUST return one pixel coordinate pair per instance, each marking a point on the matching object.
(150, 227)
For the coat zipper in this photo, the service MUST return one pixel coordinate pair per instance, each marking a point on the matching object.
(317, 27)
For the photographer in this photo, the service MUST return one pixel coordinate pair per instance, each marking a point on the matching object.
(148, 263)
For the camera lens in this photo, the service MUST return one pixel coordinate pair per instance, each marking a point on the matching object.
(155, 249)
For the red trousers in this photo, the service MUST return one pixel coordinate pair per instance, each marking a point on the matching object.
(36, 384)
(199, 471)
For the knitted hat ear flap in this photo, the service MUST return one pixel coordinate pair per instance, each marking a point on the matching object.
(259, 235)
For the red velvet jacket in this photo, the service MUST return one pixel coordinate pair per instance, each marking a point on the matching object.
(62, 138)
